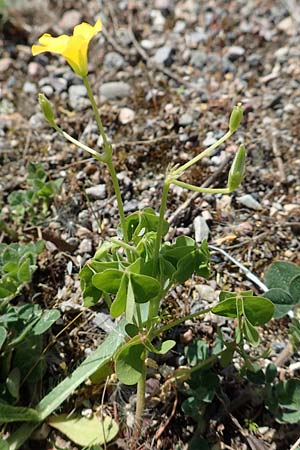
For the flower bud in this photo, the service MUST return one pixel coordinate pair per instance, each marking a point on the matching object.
(46, 109)
(235, 118)
(237, 170)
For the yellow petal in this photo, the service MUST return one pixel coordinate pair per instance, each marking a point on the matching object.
(51, 44)
(76, 54)
(87, 31)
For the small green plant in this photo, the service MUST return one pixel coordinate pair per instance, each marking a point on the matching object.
(21, 349)
(134, 270)
(283, 280)
(17, 265)
(282, 398)
(33, 203)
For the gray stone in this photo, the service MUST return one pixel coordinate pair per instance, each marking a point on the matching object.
(70, 19)
(185, 119)
(47, 90)
(131, 206)
(85, 246)
(126, 115)
(250, 202)
(201, 229)
(196, 37)
(37, 120)
(114, 90)
(59, 84)
(29, 88)
(97, 192)
(198, 59)
(164, 55)
(235, 52)
(205, 292)
(210, 139)
(78, 97)
(113, 60)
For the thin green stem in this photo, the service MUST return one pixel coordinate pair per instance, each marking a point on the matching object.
(162, 211)
(140, 401)
(74, 141)
(108, 157)
(174, 323)
(125, 246)
(192, 187)
(96, 112)
(206, 152)
(116, 186)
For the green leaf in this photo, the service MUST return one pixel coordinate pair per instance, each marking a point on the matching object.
(259, 310)
(289, 394)
(10, 413)
(108, 281)
(141, 222)
(3, 335)
(101, 356)
(251, 333)
(280, 274)
(129, 364)
(226, 308)
(227, 355)
(279, 297)
(47, 319)
(13, 383)
(4, 445)
(271, 373)
(164, 347)
(282, 301)
(83, 431)
(132, 330)
(130, 301)
(24, 274)
(294, 288)
(119, 304)
(144, 287)
(196, 352)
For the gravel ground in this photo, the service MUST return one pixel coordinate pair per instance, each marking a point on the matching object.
(166, 75)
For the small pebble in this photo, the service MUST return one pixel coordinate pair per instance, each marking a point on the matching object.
(85, 246)
(97, 192)
(164, 56)
(185, 119)
(70, 19)
(29, 88)
(250, 202)
(114, 89)
(113, 60)
(201, 229)
(126, 115)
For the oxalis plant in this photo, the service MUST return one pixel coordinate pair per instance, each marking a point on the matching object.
(133, 271)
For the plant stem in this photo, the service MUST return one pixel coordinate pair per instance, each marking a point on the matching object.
(96, 112)
(206, 152)
(154, 304)
(116, 186)
(140, 401)
(108, 157)
(191, 187)
(74, 141)
(159, 233)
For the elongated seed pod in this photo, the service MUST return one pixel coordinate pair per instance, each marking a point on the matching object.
(235, 118)
(46, 109)
(237, 170)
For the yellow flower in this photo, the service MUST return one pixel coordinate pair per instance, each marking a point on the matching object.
(73, 48)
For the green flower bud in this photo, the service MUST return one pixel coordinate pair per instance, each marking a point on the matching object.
(47, 109)
(237, 170)
(235, 118)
